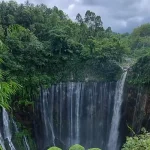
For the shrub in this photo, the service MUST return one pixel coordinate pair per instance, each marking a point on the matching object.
(54, 148)
(94, 149)
(138, 142)
(76, 147)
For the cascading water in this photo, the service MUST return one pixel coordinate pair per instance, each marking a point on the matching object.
(114, 132)
(75, 113)
(47, 120)
(15, 125)
(7, 132)
(26, 143)
(9, 129)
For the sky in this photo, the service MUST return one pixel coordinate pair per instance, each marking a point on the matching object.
(121, 15)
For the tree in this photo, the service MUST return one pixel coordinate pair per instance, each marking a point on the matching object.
(140, 38)
(44, 46)
(24, 49)
(93, 22)
(79, 18)
(90, 18)
(7, 88)
(25, 59)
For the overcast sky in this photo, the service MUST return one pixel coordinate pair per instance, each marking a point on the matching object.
(121, 15)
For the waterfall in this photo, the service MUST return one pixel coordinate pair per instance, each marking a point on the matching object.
(7, 132)
(75, 113)
(26, 143)
(47, 121)
(114, 132)
(7, 129)
(15, 125)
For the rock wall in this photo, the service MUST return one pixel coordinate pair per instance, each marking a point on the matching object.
(137, 108)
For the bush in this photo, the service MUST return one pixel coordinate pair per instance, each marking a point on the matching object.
(140, 142)
(54, 148)
(76, 147)
(94, 149)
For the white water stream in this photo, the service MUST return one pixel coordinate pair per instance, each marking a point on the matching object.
(7, 132)
(114, 132)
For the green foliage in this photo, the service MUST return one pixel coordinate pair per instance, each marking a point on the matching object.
(138, 142)
(140, 43)
(94, 149)
(1, 148)
(76, 147)
(19, 138)
(7, 88)
(54, 148)
(140, 72)
(140, 40)
(43, 46)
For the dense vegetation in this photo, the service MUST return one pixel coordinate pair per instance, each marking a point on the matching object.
(40, 46)
(138, 142)
(140, 48)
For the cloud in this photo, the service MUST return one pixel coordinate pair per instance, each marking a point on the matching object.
(70, 7)
(121, 15)
(78, 1)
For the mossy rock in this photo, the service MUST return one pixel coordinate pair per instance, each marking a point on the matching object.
(94, 149)
(54, 148)
(76, 147)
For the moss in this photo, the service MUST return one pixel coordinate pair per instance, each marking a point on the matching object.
(76, 147)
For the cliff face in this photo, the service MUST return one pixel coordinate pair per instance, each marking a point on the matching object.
(137, 107)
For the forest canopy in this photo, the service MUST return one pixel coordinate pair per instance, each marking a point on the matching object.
(42, 46)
